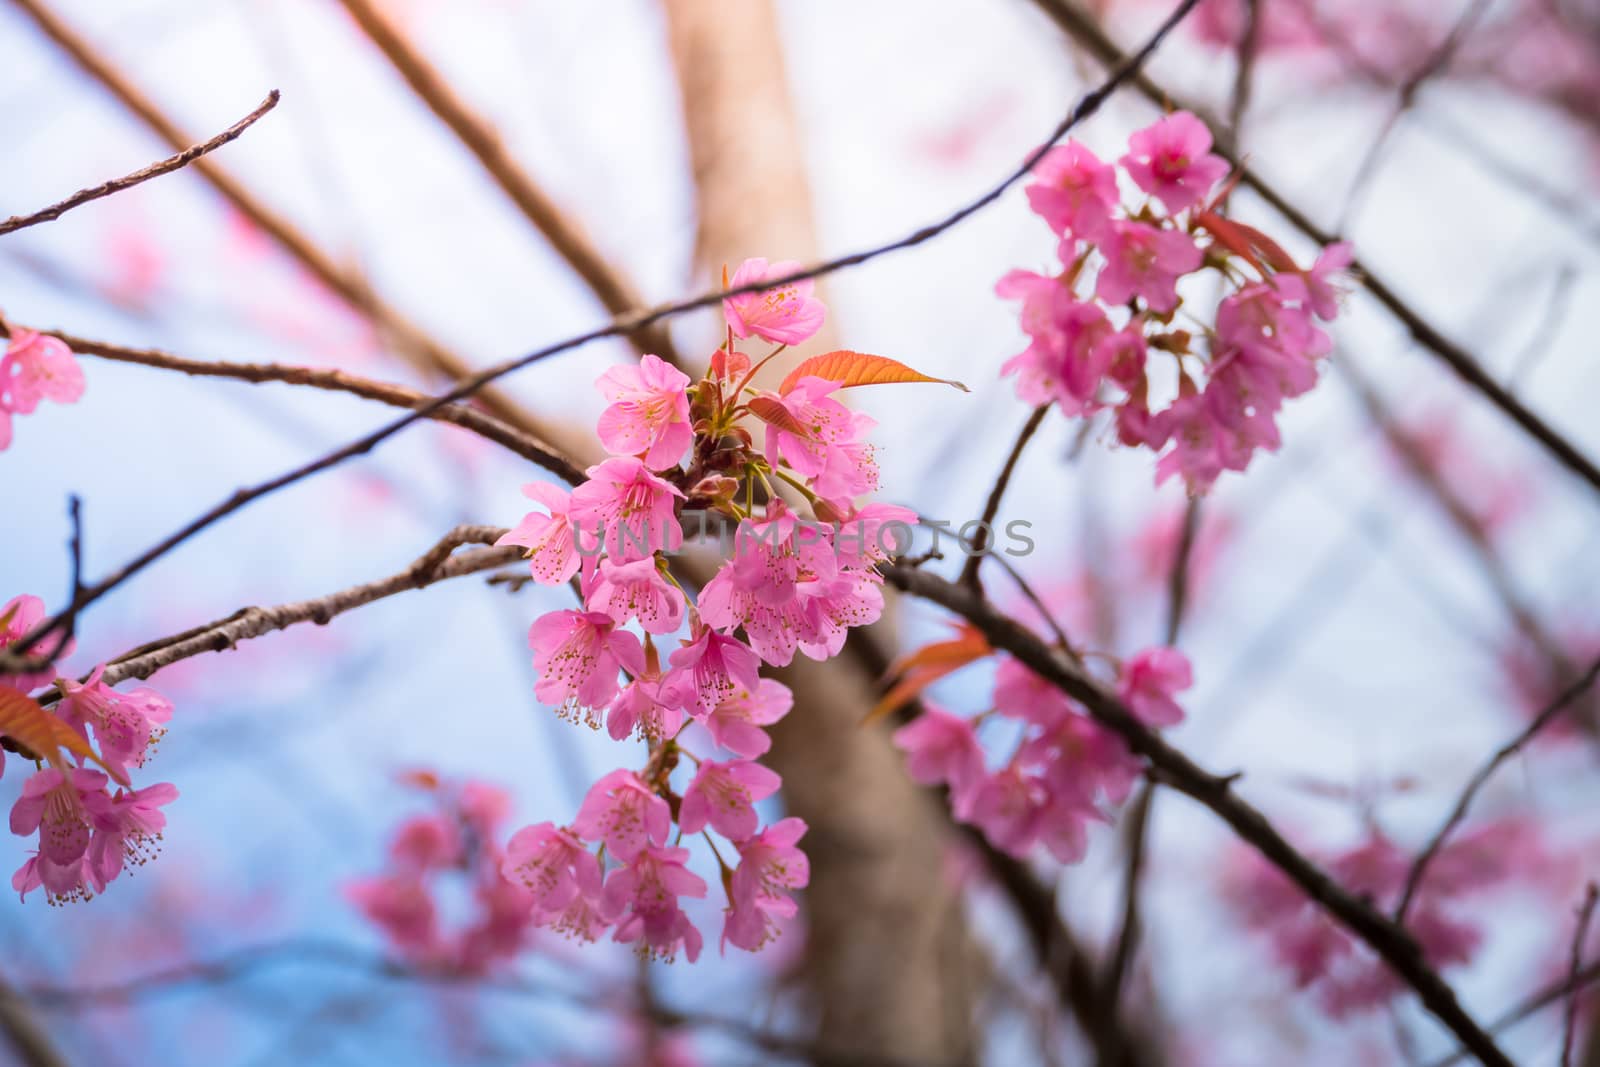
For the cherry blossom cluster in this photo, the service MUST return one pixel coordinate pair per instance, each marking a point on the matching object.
(689, 677)
(35, 368)
(1348, 976)
(1111, 329)
(87, 833)
(1065, 770)
(459, 838)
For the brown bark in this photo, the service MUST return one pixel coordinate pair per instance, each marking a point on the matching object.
(887, 955)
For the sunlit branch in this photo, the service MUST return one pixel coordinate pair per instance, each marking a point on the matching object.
(154, 170)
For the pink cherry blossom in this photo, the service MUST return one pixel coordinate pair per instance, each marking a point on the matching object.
(1323, 281)
(624, 813)
(1078, 757)
(1068, 354)
(735, 724)
(712, 668)
(649, 412)
(786, 315)
(1073, 191)
(724, 795)
(482, 806)
(1145, 261)
(578, 655)
(403, 908)
(637, 590)
(553, 866)
(1021, 694)
(770, 868)
(628, 509)
(20, 616)
(941, 748)
(1172, 161)
(552, 555)
(642, 897)
(125, 725)
(870, 535)
(128, 829)
(826, 422)
(62, 807)
(35, 368)
(1201, 448)
(1148, 683)
(760, 587)
(425, 842)
(836, 604)
(651, 704)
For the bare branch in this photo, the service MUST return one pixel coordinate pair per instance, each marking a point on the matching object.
(991, 507)
(1545, 717)
(435, 565)
(466, 416)
(614, 291)
(154, 170)
(1387, 938)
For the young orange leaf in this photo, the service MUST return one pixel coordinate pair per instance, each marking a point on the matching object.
(774, 413)
(927, 665)
(1230, 236)
(1247, 241)
(858, 368)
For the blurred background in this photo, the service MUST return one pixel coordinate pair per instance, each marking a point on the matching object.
(1372, 610)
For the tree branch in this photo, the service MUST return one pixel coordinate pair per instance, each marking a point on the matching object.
(614, 291)
(480, 422)
(991, 507)
(1389, 940)
(154, 170)
(433, 566)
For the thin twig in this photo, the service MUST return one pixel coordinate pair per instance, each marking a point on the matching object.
(1406, 96)
(1244, 73)
(614, 291)
(1579, 936)
(1182, 563)
(154, 170)
(991, 507)
(1545, 717)
(1387, 938)
(486, 425)
(624, 324)
(1083, 29)
(1539, 345)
